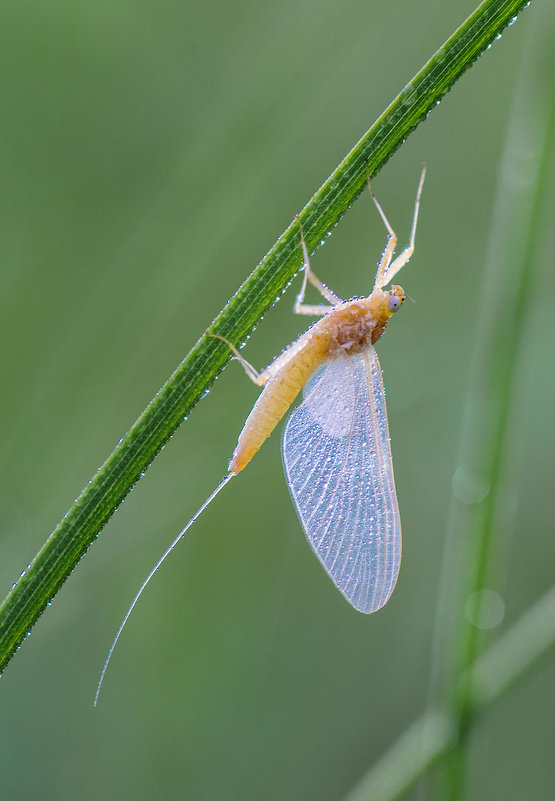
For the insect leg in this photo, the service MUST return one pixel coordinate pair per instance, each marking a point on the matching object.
(260, 379)
(387, 255)
(257, 378)
(302, 308)
(314, 311)
(405, 255)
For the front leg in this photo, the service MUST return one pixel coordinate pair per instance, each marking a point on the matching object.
(392, 270)
(389, 250)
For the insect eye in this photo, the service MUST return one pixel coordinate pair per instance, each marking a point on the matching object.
(394, 303)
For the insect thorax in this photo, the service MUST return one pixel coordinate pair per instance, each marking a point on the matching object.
(353, 327)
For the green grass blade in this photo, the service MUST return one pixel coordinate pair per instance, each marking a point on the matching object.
(109, 486)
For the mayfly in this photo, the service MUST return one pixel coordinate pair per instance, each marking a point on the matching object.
(336, 449)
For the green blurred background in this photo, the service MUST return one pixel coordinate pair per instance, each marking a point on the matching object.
(150, 154)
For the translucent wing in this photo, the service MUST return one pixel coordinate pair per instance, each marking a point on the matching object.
(338, 466)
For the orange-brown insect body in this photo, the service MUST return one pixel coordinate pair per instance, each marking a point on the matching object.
(347, 328)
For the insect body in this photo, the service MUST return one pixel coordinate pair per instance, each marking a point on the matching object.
(336, 448)
(347, 328)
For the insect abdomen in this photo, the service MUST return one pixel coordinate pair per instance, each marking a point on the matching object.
(274, 400)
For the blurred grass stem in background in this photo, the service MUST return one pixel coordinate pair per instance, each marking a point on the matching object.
(433, 736)
(480, 488)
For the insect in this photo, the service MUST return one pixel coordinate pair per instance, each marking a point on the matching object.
(336, 450)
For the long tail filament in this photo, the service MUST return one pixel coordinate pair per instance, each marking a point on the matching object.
(166, 553)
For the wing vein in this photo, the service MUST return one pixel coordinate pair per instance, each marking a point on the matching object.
(337, 461)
